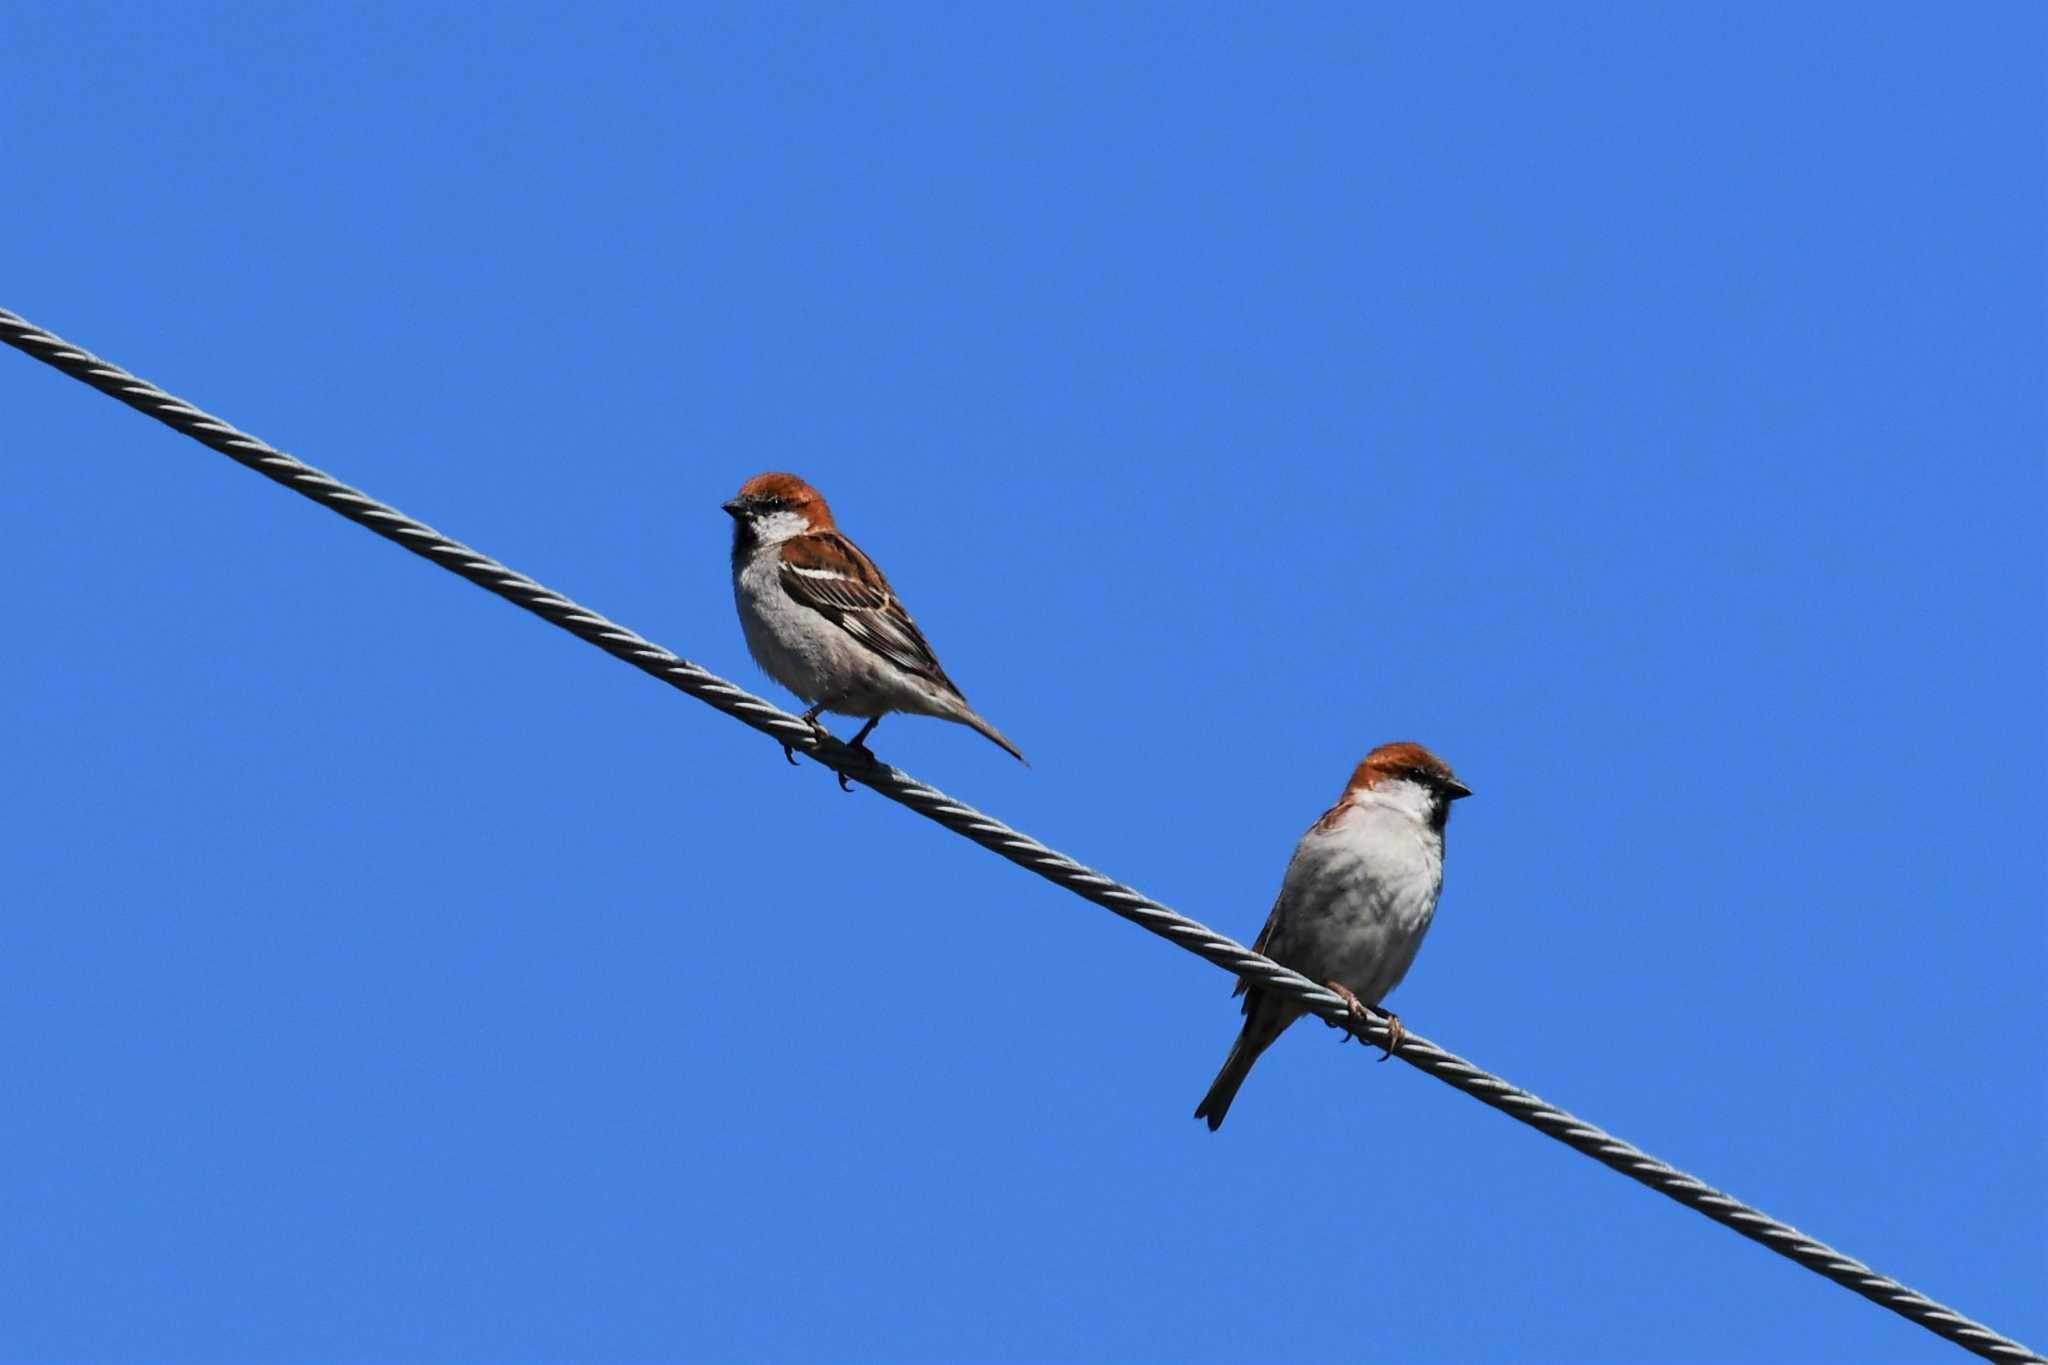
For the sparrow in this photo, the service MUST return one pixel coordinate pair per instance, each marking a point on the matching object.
(1357, 899)
(821, 620)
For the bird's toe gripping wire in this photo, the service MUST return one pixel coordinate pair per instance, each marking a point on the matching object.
(810, 718)
(1355, 1008)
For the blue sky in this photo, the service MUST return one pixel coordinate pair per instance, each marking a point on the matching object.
(1642, 406)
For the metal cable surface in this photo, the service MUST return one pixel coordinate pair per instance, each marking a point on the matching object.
(998, 837)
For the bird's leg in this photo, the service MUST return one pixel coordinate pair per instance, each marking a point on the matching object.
(812, 716)
(859, 742)
(1355, 1009)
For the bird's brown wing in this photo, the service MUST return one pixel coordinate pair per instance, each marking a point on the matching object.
(1259, 946)
(827, 573)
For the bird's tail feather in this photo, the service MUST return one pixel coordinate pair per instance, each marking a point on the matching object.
(1236, 1067)
(996, 735)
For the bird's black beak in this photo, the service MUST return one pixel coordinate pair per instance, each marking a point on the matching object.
(1455, 789)
(736, 507)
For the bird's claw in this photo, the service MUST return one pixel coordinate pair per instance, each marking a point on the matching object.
(1354, 1011)
(859, 744)
(1395, 1033)
(1357, 1014)
(810, 718)
(864, 751)
(822, 733)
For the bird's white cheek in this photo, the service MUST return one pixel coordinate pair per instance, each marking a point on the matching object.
(777, 527)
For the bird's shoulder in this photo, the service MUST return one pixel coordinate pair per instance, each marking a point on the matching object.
(825, 565)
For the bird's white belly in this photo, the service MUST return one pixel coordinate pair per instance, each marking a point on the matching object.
(1362, 901)
(1373, 942)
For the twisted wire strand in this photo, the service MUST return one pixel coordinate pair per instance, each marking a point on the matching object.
(999, 838)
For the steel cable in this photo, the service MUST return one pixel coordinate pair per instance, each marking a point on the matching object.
(998, 837)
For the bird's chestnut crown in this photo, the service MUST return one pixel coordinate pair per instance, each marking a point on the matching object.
(1405, 760)
(767, 494)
